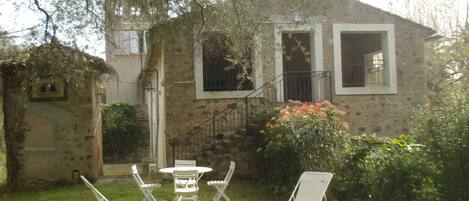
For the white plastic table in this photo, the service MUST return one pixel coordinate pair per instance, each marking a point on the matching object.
(200, 170)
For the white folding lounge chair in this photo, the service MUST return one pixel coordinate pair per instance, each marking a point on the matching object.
(146, 189)
(312, 186)
(185, 185)
(185, 163)
(96, 193)
(221, 185)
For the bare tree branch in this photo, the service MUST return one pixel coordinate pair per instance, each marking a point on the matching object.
(48, 19)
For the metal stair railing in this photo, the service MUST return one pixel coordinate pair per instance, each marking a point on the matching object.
(303, 86)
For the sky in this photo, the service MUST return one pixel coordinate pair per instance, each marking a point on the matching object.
(451, 13)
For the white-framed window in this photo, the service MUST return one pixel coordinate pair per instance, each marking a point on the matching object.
(364, 59)
(135, 11)
(130, 42)
(215, 77)
(118, 8)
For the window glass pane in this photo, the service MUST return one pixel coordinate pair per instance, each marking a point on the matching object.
(141, 42)
(130, 42)
(362, 59)
(374, 64)
(122, 42)
(218, 73)
(118, 9)
(133, 42)
(135, 11)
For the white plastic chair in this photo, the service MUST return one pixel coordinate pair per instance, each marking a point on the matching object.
(221, 185)
(146, 189)
(312, 186)
(185, 163)
(96, 193)
(185, 184)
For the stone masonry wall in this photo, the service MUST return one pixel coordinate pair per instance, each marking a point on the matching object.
(183, 111)
(63, 137)
(386, 115)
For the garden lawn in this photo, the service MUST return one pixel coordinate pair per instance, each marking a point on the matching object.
(241, 190)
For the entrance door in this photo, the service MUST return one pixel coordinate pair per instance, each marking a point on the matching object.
(297, 65)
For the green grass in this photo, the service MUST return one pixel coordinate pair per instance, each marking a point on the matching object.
(3, 171)
(238, 191)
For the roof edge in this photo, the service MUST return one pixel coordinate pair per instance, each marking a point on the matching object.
(430, 31)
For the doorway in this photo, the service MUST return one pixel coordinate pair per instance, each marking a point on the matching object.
(298, 59)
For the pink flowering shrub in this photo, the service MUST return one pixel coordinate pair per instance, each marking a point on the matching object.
(302, 137)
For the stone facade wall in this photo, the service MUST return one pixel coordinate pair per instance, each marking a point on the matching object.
(63, 137)
(183, 111)
(386, 115)
(240, 148)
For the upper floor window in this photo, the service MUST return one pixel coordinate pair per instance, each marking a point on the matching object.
(152, 10)
(135, 11)
(131, 42)
(364, 57)
(118, 9)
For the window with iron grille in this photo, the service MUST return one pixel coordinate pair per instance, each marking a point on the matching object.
(219, 72)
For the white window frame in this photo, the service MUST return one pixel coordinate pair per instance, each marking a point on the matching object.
(128, 51)
(199, 73)
(389, 51)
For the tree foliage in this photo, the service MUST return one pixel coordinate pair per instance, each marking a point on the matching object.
(444, 130)
(447, 63)
(238, 20)
(122, 136)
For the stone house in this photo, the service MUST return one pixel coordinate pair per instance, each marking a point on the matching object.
(367, 61)
(62, 135)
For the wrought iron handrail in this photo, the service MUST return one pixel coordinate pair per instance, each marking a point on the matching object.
(236, 116)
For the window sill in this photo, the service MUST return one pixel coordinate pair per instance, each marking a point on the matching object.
(370, 90)
(130, 54)
(204, 95)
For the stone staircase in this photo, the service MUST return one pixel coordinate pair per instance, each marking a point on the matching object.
(231, 134)
(142, 117)
(239, 146)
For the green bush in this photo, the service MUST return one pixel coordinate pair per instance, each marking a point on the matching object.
(444, 130)
(299, 138)
(350, 179)
(302, 137)
(122, 136)
(400, 170)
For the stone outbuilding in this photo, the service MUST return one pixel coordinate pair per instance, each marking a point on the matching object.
(52, 120)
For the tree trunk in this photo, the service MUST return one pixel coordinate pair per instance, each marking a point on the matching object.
(13, 121)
